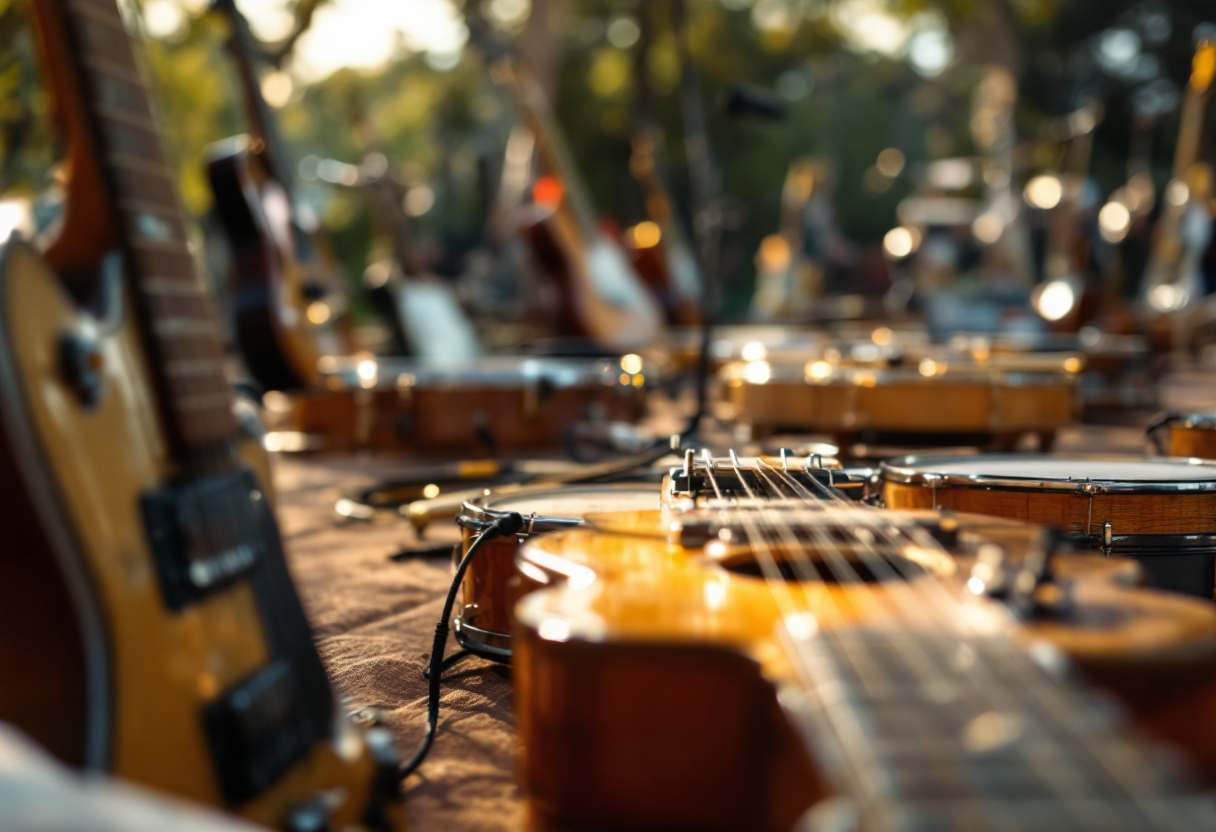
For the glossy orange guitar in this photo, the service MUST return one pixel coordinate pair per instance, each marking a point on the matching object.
(779, 660)
(148, 624)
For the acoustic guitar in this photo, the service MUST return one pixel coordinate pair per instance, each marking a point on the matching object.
(783, 659)
(149, 627)
(287, 301)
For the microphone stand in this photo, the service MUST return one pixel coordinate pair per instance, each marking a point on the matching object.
(706, 212)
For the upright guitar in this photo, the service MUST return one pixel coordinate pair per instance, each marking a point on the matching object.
(148, 624)
(664, 260)
(599, 295)
(288, 304)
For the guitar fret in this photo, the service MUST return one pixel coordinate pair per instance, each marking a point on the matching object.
(105, 67)
(130, 183)
(133, 142)
(141, 206)
(97, 40)
(133, 119)
(171, 287)
(194, 368)
(175, 246)
(199, 402)
(140, 165)
(184, 328)
(99, 14)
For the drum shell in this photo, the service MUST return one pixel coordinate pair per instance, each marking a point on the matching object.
(1172, 535)
(458, 418)
(490, 588)
(906, 406)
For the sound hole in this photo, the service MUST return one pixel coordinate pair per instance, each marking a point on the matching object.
(849, 567)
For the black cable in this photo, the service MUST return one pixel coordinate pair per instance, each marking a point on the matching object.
(506, 526)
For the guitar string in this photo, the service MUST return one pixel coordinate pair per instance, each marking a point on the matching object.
(1053, 694)
(876, 564)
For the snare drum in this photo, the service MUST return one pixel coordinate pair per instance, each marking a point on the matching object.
(1158, 510)
(490, 404)
(1192, 435)
(490, 590)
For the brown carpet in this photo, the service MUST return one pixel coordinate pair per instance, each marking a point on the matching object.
(374, 620)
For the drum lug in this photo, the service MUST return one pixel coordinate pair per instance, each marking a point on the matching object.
(1108, 538)
(470, 612)
(932, 481)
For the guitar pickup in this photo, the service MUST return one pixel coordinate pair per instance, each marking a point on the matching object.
(204, 533)
(257, 731)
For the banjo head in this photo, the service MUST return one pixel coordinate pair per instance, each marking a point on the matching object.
(1053, 472)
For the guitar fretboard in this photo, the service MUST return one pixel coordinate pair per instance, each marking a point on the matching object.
(180, 327)
(942, 732)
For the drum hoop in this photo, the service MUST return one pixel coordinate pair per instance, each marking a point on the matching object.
(1163, 544)
(849, 377)
(900, 471)
(476, 517)
(1195, 420)
(557, 374)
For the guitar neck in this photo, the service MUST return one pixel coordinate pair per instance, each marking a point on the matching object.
(931, 730)
(261, 120)
(120, 142)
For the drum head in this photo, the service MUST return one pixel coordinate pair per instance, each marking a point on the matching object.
(576, 502)
(556, 507)
(1055, 471)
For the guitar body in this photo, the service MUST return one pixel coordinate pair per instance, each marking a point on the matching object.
(269, 295)
(112, 677)
(653, 691)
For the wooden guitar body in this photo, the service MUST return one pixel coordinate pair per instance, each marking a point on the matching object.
(268, 286)
(112, 677)
(654, 691)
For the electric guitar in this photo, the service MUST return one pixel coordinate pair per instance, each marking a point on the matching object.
(149, 627)
(779, 658)
(287, 302)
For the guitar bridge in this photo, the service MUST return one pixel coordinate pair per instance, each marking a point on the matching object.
(744, 478)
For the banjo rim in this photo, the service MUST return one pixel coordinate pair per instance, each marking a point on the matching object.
(919, 470)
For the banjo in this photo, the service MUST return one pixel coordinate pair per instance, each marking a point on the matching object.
(1160, 511)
